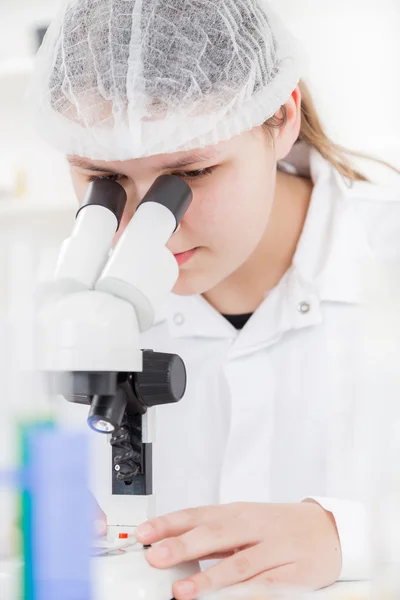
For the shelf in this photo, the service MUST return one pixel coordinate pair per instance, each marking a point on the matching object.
(16, 67)
(24, 206)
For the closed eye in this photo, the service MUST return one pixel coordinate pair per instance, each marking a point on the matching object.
(112, 177)
(198, 174)
(188, 175)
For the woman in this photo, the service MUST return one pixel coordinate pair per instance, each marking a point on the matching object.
(254, 464)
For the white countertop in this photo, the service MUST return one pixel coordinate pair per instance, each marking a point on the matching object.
(345, 590)
(10, 576)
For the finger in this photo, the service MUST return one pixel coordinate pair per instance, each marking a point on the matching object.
(217, 555)
(177, 523)
(211, 538)
(220, 555)
(100, 525)
(100, 519)
(237, 568)
(288, 574)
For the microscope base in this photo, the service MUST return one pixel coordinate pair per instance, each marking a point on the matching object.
(121, 575)
(128, 575)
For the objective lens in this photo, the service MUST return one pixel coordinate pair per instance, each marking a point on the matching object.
(107, 412)
(100, 425)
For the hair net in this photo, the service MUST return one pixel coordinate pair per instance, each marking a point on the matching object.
(122, 79)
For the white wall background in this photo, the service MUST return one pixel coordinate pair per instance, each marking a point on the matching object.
(354, 50)
(17, 18)
(22, 155)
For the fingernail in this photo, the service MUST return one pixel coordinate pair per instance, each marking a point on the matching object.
(186, 588)
(160, 552)
(145, 531)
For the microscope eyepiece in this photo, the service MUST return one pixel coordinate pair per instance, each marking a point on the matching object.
(173, 193)
(109, 194)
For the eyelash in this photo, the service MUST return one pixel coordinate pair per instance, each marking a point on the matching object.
(189, 175)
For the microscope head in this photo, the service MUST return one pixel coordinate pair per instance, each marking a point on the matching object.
(103, 298)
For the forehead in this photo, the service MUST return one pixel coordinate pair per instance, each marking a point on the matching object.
(159, 161)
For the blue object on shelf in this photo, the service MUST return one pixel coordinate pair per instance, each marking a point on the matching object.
(61, 515)
(10, 479)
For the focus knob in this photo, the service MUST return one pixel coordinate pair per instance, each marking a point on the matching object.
(163, 379)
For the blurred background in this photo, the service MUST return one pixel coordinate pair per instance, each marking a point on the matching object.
(36, 197)
(354, 50)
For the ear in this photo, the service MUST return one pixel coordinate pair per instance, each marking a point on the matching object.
(287, 135)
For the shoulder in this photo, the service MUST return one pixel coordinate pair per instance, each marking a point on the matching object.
(372, 209)
(377, 208)
(352, 228)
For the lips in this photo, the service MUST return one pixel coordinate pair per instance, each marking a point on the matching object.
(183, 257)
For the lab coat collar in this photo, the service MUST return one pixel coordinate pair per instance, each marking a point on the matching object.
(326, 267)
(193, 316)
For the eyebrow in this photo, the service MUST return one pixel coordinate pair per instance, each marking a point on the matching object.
(190, 159)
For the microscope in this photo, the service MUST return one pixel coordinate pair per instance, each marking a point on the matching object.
(100, 301)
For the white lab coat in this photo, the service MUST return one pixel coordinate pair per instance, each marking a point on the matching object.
(271, 412)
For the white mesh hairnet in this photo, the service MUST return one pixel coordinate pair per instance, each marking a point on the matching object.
(123, 79)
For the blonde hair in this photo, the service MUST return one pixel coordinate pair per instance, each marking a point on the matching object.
(312, 132)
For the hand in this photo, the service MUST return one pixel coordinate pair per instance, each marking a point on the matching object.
(294, 544)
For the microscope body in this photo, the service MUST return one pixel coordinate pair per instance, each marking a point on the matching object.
(89, 330)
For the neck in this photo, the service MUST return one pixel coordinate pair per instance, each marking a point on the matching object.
(244, 290)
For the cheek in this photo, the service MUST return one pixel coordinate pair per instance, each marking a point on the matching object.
(205, 211)
(222, 211)
(215, 205)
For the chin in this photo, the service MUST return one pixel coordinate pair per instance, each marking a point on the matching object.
(192, 283)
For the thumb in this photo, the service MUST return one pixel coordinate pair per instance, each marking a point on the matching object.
(100, 519)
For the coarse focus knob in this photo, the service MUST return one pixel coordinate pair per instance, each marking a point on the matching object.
(163, 379)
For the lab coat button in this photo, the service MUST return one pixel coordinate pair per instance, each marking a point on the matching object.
(179, 319)
(304, 308)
